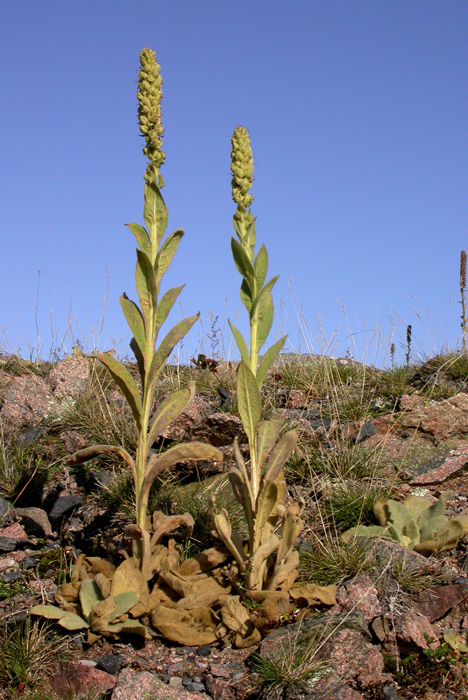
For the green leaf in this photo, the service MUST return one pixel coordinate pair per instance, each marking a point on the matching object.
(246, 295)
(135, 320)
(267, 436)
(142, 237)
(165, 305)
(242, 262)
(241, 344)
(279, 455)
(90, 594)
(123, 602)
(248, 400)
(51, 612)
(169, 409)
(156, 464)
(139, 357)
(125, 382)
(268, 358)
(70, 621)
(155, 214)
(166, 253)
(261, 266)
(167, 346)
(145, 283)
(266, 502)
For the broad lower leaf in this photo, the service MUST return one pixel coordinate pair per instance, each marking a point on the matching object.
(142, 237)
(165, 305)
(125, 382)
(70, 621)
(145, 283)
(169, 409)
(166, 253)
(51, 612)
(268, 358)
(135, 320)
(167, 346)
(279, 455)
(241, 344)
(265, 506)
(267, 436)
(248, 400)
(156, 464)
(261, 266)
(155, 214)
(90, 594)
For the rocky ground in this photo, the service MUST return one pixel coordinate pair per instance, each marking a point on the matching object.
(399, 624)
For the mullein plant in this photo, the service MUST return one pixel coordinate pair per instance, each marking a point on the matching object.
(154, 256)
(231, 591)
(268, 561)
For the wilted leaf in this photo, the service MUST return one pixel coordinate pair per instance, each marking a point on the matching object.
(191, 628)
(311, 594)
(127, 578)
(279, 455)
(205, 561)
(268, 434)
(158, 463)
(129, 627)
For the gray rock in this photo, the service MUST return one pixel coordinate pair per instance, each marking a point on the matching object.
(11, 576)
(9, 544)
(63, 506)
(5, 508)
(111, 663)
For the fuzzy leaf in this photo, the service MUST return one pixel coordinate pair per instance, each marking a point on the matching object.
(381, 511)
(155, 214)
(90, 594)
(279, 455)
(432, 510)
(123, 603)
(261, 266)
(156, 464)
(262, 311)
(51, 612)
(268, 358)
(145, 283)
(267, 436)
(165, 305)
(167, 346)
(166, 253)
(402, 520)
(259, 559)
(248, 399)
(245, 294)
(125, 382)
(241, 344)
(266, 502)
(430, 528)
(135, 320)
(139, 357)
(363, 531)
(142, 237)
(168, 410)
(70, 621)
(127, 578)
(191, 628)
(231, 539)
(242, 262)
(87, 453)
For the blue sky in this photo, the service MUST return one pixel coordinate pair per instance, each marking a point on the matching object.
(358, 117)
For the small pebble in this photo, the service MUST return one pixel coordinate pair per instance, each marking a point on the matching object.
(175, 682)
(111, 663)
(204, 650)
(29, 562)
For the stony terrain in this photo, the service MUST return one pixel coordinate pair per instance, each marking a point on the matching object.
(364, 433)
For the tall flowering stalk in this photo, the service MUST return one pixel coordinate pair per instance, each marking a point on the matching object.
(154, 256)
(269, 560)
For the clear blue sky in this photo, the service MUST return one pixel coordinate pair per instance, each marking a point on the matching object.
(358, 117)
